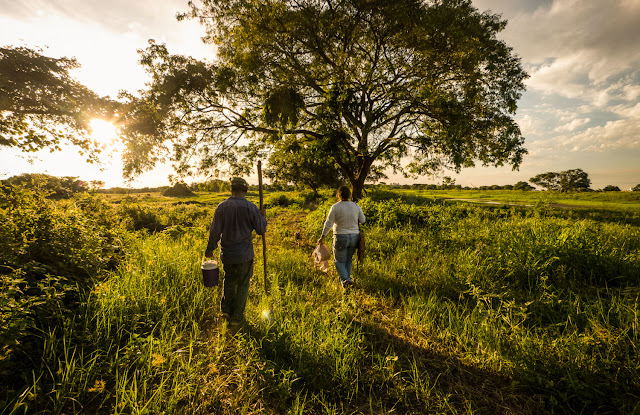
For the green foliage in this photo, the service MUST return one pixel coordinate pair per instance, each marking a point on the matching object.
(52, 238)
(300, 199)
(611, 188)
(523, 186)
(50, 253)
(162, 216)
(143, 217)
(279, 200)
(304, 164)
(565, 181)
(178, 190)
(460, 308)
(54, 187)
(41, 105)
(215, 185)
(372, 82)
(636, 188)
(281, 108)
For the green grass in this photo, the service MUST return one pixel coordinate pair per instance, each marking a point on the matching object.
(460, 309)
(599, 200)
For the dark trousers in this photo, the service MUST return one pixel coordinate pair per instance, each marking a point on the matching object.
(236, 289)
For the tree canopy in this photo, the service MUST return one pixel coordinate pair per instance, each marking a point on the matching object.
(54, 187)
(376, 81)
(294, 162)
(610, 188)
(41, 105)
(523, 186)
(565, 181)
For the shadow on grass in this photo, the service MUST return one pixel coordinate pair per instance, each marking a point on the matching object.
(392, 375)
(426, 372)
(564, 385)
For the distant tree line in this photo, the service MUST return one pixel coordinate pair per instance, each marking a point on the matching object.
(447, 186)
(67, 186)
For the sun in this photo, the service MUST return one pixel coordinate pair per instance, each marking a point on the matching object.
(103, 131)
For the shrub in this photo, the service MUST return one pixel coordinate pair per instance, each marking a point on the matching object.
(178, 190)
(278, 200)
(143, 217)
(50, 253)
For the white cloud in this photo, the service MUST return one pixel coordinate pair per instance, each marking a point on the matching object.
(528, 124)
(614, 135)
(631, 92)
(627, 111)
(560, 77)
(573, 125)
(576, 48)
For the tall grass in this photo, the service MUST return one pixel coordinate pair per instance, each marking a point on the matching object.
(459, 310)
(552, 303)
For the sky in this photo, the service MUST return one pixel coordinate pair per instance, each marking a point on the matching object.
(581, 108)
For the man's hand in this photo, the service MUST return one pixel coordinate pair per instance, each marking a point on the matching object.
(208, 254)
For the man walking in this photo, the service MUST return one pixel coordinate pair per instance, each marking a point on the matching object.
(233, 222)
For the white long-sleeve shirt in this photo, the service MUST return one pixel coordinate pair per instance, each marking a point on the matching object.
(344, 218)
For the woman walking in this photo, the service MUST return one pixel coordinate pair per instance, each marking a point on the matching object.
(344, 218)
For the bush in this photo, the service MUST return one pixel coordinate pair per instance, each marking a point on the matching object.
(278, 200)
(178, 190)
(50, 253)
(54, 187)
(143, 217)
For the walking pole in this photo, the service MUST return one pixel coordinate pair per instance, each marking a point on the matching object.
(264, 237)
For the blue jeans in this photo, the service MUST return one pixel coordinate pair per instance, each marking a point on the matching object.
(343, 248)
(236, 289)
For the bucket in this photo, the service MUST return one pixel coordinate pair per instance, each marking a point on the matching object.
(210, 273)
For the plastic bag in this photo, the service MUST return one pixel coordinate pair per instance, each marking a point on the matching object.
(321, 256)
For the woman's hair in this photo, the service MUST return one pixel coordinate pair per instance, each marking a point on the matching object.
(344, 193)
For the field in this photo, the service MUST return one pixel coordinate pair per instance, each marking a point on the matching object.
(524, 306)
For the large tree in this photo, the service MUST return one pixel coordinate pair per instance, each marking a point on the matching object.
(425, 81)
(523, 186)
(42, 105)
(565, 181)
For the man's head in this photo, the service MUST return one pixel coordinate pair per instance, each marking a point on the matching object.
(239, 185)
(343, 193)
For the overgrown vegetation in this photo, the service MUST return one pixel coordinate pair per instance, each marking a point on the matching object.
(461, 308)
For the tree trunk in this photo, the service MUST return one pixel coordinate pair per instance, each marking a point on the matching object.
(357, 192)
(356, 178)
(364, 165)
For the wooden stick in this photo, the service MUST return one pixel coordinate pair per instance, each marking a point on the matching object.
(264, 237)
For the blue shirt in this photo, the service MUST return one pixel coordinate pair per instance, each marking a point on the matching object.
(233, 222)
